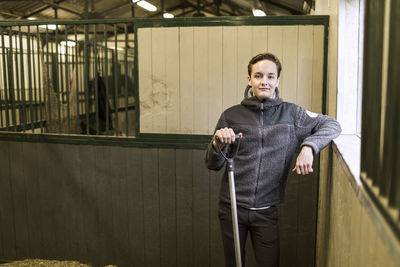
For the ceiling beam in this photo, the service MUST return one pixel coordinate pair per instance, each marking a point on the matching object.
(58, 6)
(291, 10)
(106, 12)
(41, 9)
(10, 14)
(168, 10)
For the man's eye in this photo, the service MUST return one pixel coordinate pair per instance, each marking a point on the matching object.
(258, 76)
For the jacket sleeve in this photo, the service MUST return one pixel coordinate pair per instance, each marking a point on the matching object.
(213, 159)
(315, 130)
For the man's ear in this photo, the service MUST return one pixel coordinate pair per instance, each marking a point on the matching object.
(277, 84)
(248, 80)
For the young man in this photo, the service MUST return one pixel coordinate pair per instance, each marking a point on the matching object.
(271, 130)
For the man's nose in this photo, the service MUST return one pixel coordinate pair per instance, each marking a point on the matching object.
(264, 80)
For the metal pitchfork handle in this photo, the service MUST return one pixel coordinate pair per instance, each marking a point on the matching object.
(230, 169)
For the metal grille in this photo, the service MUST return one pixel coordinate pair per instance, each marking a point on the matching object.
(74, 78)
(380, 149)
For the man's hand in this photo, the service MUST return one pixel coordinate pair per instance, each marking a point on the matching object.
(304, 161)
(226, 136)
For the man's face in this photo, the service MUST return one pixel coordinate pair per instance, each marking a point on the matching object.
(264, 79)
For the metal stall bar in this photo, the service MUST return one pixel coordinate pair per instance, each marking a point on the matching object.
(2, 103)
(115, 78)
(372, 79)
(18, 102)
(86, 52)
(10, 68)
(34, 87)
(60, 75)
(67, 89)
(76, 72)
(28, 41)
(56, 80)
(39, 79)
(393, 86)
(96, 84)
(22, 76)
(48, 77)
(5, 81)
(106, 75)
(126, 79)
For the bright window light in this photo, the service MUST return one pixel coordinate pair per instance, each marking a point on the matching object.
(68, 43)
(258, 13)
(31, 18)
(168, 16)
(146, 5)
(135, 1)
(49, 26)
(118, 48)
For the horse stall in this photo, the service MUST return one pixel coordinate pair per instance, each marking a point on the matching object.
(103, 130)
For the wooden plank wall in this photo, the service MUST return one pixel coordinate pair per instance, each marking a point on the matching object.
(349, 233)
(130, 207)
(189, 75)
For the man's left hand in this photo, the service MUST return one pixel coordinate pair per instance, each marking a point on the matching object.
(304, 161)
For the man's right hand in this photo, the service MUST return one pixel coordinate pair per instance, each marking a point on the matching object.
(226, 136)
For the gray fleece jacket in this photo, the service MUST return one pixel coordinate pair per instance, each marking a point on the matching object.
(271, 129)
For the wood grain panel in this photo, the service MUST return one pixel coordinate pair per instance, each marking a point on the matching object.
(74, 202)
(158, 67)
(200, 77)
(289, 63)
(186, 47)
(318, 68)
(305, 67)
(134, 172)
(184, 207)
(145, 80)
(124, 206)
(32, 198)
(306, 217)
(188, 75)
(119, 199)
(259, 40)
(104, 199)
(89, 206)
(288, 219)
(168, 225)
(244, 54)
(19, 203)
(201, 212)
(7, 225)
(151, 201)
(229, 67)
(172, 80)
(216, 249)
(51, 218)
(275, 46)
(215, 76)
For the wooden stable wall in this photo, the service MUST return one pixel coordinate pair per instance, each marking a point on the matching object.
(189, 75)
(129, 207)
(351, 230)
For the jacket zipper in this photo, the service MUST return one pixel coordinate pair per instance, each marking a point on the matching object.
(262, 147)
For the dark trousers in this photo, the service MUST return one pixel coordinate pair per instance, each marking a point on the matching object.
(264, 232)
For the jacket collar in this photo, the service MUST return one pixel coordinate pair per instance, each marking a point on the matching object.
(254, 103)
